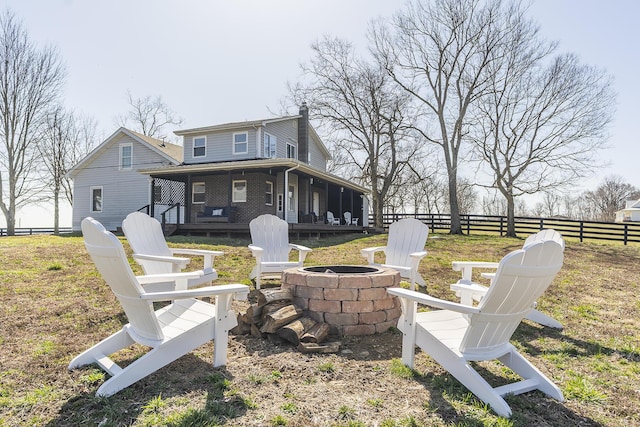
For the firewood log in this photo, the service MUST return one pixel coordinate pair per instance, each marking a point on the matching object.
(316, 334)
(294, 330)
(279, 318)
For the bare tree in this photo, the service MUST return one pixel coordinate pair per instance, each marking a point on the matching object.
(438, 51)
(31, 80)
(149, 116)
(609, 197)
(65, 140)
(545, 118)
(367, 114)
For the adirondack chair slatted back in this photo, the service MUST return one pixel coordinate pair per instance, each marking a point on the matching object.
(347, 218)
(521, 278)
(406, 236)
(543, 235)
(145, 236)
(111, 261)
(272, 234)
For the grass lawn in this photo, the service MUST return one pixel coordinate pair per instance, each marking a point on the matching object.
(54, 305)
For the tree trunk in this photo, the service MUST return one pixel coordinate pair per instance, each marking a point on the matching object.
(56, 213)
(511, 220)
(456, 225)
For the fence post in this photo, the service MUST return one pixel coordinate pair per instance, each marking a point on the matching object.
(626, 231)
(541, 223)
(581, 230)
(501, 225)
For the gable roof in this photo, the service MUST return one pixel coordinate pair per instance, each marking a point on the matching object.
(251, 124)
(171, 152)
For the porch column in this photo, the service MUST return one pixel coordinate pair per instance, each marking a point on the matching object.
(152, 201)
(187, 199)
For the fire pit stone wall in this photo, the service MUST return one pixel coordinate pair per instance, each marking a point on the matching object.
(352, 304)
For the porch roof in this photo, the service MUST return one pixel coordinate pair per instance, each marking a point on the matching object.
(253, 164)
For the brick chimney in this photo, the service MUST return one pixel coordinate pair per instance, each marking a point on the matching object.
(303, 134)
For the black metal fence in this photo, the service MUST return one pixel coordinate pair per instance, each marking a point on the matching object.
(625, 232)
(35, 230)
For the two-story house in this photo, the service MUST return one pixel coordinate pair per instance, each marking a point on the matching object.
(230, 172)
(276, 166)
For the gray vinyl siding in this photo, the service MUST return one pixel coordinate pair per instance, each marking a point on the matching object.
(285, 132)
(318, 158)
(220, 147)
(123, 191)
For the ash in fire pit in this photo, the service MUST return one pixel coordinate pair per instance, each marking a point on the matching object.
(342, 269)
(352, 299)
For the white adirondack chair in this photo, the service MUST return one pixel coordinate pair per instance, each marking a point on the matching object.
(468, 291)
(404, 249)
(348, 220)
(150, 250)
(171, 331)
(332, 220)
(270, 247)
(458, 333)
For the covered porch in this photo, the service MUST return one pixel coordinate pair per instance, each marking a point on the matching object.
(217, 197)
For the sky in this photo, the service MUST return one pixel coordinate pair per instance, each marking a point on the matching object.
(217, 61)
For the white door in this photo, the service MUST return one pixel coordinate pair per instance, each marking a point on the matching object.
(315, 203)
(292, 203)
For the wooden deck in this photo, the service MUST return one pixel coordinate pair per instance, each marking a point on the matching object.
(231, 229)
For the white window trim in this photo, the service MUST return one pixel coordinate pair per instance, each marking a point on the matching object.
(296, 148)
(269, 190)
(120, 157)
(91, 189)
(193, 146)
(233, 141)
(272, 139)
(233, 191)
(193, 187)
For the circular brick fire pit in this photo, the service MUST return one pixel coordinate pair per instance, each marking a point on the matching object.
(353, 300)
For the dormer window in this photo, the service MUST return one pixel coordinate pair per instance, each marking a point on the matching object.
(199, 146)
(269, 146)
(240, 143)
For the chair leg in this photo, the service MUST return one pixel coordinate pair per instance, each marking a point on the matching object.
(225, 320)
(107, 346)
(157, 358)
(463, 372)
(521, 366)
(543, 319)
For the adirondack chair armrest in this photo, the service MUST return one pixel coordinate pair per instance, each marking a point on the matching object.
(179, 261)
(369, 253)
(209, 256)
(415, 259)
(425, 299)
(256, 251)
(240, 291)
(467, 267)
(302, 251)
(468, 291)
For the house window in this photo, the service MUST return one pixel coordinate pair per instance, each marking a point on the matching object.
(291, 151)
(239, 191)
(268, 195)
(126, 156)
(240, 143)
(197, 193)
(269, 146)
(280, 202)
(96, 199)
(199, 146)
